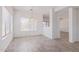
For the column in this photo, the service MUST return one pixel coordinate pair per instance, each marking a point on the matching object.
(72, 25)
(54, 25)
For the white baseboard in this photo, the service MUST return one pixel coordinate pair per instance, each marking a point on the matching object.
(5, 42)
(23, 34)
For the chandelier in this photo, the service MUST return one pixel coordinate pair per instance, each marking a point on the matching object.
(31, 13)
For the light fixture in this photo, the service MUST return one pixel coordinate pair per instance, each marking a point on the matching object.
(31, 13)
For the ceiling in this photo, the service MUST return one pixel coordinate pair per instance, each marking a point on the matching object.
(36, 9)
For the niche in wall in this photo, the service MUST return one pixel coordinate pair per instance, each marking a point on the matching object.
(46, 20)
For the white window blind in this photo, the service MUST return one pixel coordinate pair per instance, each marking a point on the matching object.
(27, 24)
(6, 22)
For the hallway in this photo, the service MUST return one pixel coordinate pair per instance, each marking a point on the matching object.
(42, 44)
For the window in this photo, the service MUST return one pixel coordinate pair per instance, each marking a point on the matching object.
(25, 24)
(6, 19)
(3, 28)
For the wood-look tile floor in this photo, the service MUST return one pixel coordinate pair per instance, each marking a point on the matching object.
(42, 44)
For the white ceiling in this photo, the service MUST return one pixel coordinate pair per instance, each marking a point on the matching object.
(37, 9)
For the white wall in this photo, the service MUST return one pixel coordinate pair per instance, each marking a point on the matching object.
(73, 24)
(37, 21)
(4, 41)
(76, 24)
(64, 25)
(0, 22)
(63, 19)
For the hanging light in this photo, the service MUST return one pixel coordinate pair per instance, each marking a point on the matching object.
(31, 13)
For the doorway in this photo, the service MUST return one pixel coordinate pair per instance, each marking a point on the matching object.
(63, 21)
